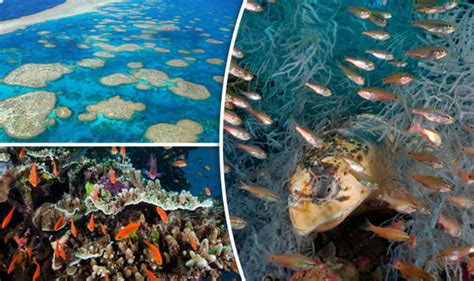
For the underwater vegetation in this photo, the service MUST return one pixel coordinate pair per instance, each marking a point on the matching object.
(82, 71)
(112, 214)
(348, 140)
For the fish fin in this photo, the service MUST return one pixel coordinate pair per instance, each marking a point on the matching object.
(415, 126)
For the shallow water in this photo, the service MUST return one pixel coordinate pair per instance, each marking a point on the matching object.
(12, 9)
(81, 87)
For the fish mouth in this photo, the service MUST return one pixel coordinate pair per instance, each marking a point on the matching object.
(323, 191)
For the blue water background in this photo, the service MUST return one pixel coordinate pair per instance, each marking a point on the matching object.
(81, 87)
(12, 9)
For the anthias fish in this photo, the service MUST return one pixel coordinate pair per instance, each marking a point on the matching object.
(112, 177)
(33, 178)
(454, 254)
(411, 272)
(253, 151)
(389, 233)
(380, 54)
(260, 192)
(427, 53)
(319, 89)
(432, 183)
(293, 261)
(59, 223)
(353, 75)
(434, 115)
(460, 201)
(435, 26)
(163, 215)
(361, 63)
(376, 94)
(237, 132)
(309, 137)
(398, 79)
(8, 218)
(155, 252)
(126, 231)
(360, 12)
(451, 225)
(73, 227)
(237, 223)
(427, 158)
(91, 224)
(430, 135)
(377, 34)
(232, 118)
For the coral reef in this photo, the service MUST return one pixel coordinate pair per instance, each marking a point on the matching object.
(36, 75)
(183, 131)
(113, 108)
(117, 79)
(91, 63)
(25, 116)
(177, 63)
(70, 205)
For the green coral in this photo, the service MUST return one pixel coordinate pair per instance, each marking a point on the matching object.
(89, 187)
(155, 237)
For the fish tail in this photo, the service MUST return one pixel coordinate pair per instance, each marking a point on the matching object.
(368, 225)
(415, 126)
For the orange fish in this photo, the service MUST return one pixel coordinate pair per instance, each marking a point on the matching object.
(56, 249)
(461, 201)
(73, 228)
(106, 277)
(8, 218)
(470, 266)
(59, 223)
(179, 164)
(454, 255)
(91, 224)
(95, 194)
(102, 228)
(37, 271)
(208, 191)
(411, 272)
(292, 260)
(55, 169)
(193, 242)
(429, 134)
(113, 180)
(123, 151)
(468, 150)
(388, 233)
(33, 177)
(15, 259)
(155, 252)
(62, 253)
(451, 225)
(466, 177)
(114, 150)
(126, 231)
(163, 215)
(29, 252)
(150, 274)
(22, 153)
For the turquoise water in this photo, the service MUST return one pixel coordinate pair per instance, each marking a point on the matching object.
(12, 9)
(81, 87)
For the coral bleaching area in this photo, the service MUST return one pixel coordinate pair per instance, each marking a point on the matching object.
(183, 131)
(25, 116)
(34, 75)
(113, 108)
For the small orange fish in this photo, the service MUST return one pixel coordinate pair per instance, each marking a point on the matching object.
(62, 253)
(155, 252)
(468, 150)
(454, 255)
(319, 89)
(451, 225)
(208, 191)
(102, 228)
(388, 233)
(33, 176)
(308, 136)
(91, 224)
(260, 116)
(434, 115)
(430, 135)
(193, 243)
(376, 94)
(56, 249)
(293, 261)
(150, 274)
(114, 150)
(163, 215)
(106, 277)
(22, 153)
(126, 231)
(179, 164)
(8, 218)
(95, 194)
(73, 228)
(398, 79)
(59, 223)
(411, 272)
(29, 252)
(55, 169)
(427, 158)
(461, 201)
(470, 266)
(37, 273)
(260, 192)
(253, 151)
(14, 260)
(466, 177)
(112, 177)
(432, 183)
(123, 151)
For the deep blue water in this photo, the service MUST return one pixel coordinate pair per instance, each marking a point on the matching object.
(81, 87)
(12, 9)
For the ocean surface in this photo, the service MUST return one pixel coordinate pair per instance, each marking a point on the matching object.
(198, 21)
(12, 9)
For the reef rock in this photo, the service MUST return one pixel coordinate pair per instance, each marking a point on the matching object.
(184, 131)
(26, 116)
(177, 63)
(113, 108)
(63, 112)
(189, 89)
(215, 61)
(36, 75)
(91, 63)
(154, 77)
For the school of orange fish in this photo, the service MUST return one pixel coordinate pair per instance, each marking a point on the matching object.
(233, 126)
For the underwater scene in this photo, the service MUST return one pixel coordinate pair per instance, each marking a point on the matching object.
(120, 213)
(83, 70)
(348, 140)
